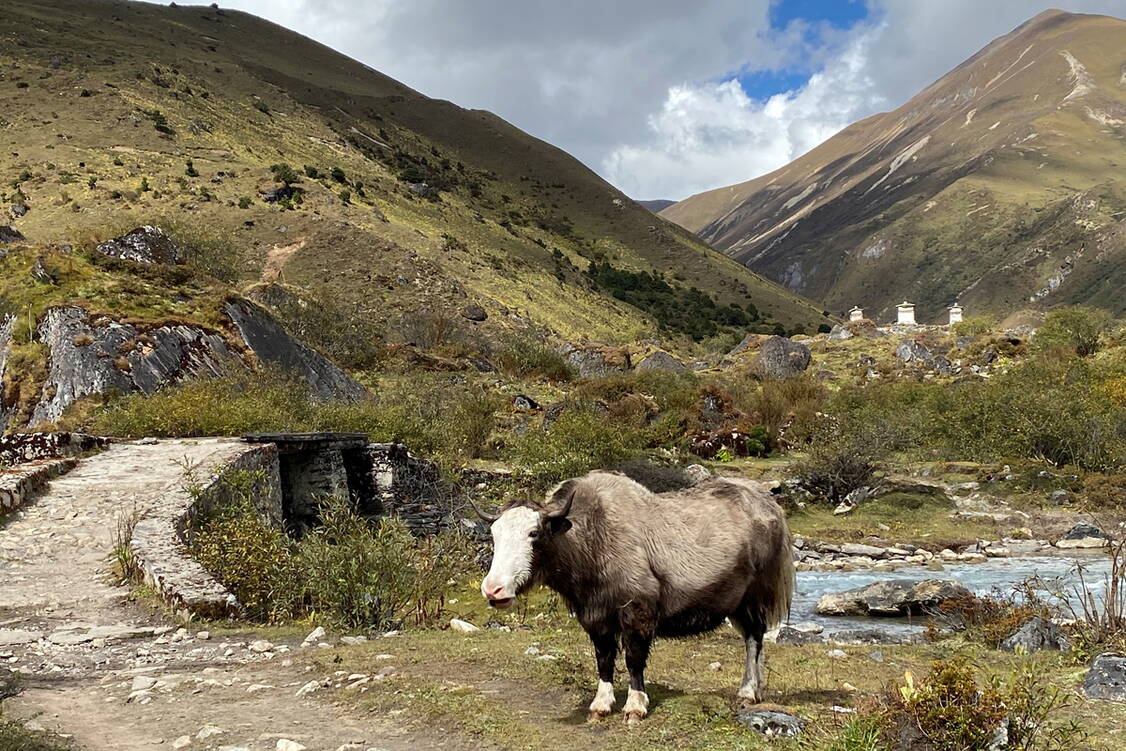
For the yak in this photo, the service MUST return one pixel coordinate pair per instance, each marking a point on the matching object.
(633, 565)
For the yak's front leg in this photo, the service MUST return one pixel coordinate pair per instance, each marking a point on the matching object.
(605, 652)
(636, 646)
(753, 629)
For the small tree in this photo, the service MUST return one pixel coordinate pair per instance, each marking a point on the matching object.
(338, 175)
(285, 174)
(1075, 329)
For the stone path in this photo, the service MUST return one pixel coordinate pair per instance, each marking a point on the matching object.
(112, 675)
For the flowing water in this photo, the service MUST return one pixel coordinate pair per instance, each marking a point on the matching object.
(1058, 572)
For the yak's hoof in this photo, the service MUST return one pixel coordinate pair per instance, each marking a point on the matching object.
(633, 717)
(597, 715)
(746, 702)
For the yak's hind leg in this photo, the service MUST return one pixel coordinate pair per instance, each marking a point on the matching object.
(605, 652)
(639, 626)
(751, 623)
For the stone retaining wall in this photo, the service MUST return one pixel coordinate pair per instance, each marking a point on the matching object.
(18, 483)
(158, 541)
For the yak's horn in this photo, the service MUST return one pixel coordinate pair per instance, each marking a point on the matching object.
(490, 518)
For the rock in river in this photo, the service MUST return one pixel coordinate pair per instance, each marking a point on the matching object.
(891, 598)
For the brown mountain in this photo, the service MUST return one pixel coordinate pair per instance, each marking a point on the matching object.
(1000, 184)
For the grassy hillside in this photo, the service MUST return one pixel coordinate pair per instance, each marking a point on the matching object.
(400, 207)
(998, 184)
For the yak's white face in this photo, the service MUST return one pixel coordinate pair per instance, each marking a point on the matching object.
(514, 532)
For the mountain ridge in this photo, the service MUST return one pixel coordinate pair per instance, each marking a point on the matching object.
(880, 211)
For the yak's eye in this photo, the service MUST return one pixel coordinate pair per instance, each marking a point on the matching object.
(534, 534)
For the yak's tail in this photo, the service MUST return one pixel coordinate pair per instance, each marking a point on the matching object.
(778, 607)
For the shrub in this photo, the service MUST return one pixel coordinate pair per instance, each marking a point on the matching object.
(842, 459)
(244, 202)
(974, 326)
(338, 175)
(191, 171)
(15, 736)
(361, 574)
(992, 619)
(525, 358)
(951, 711)
(1076, 329)
(311, 172)
(251, 557)
(284, 174)
(579, 441)
(345, 195)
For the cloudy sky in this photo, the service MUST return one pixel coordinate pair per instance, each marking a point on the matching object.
(665, 98)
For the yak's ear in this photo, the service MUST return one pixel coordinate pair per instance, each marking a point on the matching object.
(559, 525)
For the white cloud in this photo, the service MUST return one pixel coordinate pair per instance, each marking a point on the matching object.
(635, 88)
(712, 134)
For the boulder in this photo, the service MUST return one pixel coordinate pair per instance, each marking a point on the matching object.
(595, 360)
(839, 333)
(748, 342)
(10, 683)
(891, 598)
(148, 245)
(10, 235)
(18, 210)
(870, 636)
(474, 313)
(1037, 634)
(527, 403)
(772, 723)
(1084, 535)
(791, 635)
(913, 351)
(1107, 678)
(856, 548)
(272, 345)
(780, 358)
(942, 366)
(661, 360)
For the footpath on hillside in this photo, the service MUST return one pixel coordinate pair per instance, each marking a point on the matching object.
(114, 675)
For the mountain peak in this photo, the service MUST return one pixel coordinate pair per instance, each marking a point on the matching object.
(996, 185)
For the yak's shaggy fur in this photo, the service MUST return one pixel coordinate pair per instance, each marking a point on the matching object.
(633, 565)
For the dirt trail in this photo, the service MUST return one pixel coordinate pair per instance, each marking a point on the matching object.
(113, 675)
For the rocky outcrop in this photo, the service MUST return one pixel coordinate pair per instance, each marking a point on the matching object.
(1107, 678)
(147, 245)
(913, 351)
(772, 723)
(780, 358)
(10, 235)
(271, 345)
(892, 598)
(99, 355)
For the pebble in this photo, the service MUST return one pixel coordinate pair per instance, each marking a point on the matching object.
(314, 636)
(182, 742)
(284, 744)
(143, 683)
(715, 666)
(308, 688)
(837, 654)
(207, 731)
(260, 646)
(203, 635)
(465, 627)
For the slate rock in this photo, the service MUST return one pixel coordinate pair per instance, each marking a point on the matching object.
(148, 245)
(474, 313)
(10, 683)
(1107, 678)
(913, 351)
(10, 235)
(595, 360)
(891, 598)
(526, 402)
(18, 210)
(274, 346)
(780, 358)
(1037, 634)
(772, 723)
(661, 360)
(1083, 530)
(839, 333)
(791, 635)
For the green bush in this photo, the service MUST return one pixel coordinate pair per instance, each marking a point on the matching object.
(15, 736)
(1077, 330)
(362, 574)
(580, 440)
(252, 558)
(974, 326)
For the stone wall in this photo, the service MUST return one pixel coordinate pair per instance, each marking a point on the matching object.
(409, 488)
(25, 447)
(19, 483)
(159, 539)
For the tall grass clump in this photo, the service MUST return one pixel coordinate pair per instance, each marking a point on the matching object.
(525, 358)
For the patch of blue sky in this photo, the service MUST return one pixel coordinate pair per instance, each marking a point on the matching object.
(814, 15)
